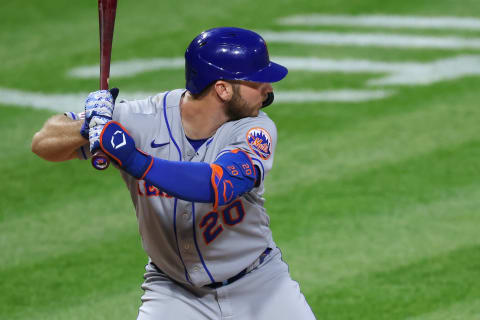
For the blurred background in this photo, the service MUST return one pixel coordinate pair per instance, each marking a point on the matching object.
(374, 194)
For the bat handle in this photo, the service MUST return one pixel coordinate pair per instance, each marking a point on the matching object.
(100, 161)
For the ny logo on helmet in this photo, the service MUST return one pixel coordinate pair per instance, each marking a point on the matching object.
(115, 140)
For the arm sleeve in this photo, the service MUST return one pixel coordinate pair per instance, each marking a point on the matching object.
(221, 182)
(185, 180)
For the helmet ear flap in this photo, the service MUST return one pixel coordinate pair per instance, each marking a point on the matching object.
(269, 100)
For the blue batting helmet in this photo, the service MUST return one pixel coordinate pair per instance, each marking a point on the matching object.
(229, 54)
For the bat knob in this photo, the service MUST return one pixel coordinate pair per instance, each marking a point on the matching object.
(100, 161)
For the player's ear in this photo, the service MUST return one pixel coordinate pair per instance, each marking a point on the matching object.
(224, 90)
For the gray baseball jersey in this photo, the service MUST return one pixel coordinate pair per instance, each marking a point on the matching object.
(189, 241)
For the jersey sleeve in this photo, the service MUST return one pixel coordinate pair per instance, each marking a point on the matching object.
(124, 109)
(139, 117)
(258, 138)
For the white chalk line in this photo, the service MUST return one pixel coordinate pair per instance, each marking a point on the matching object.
(397, 73)
(371, 40)
(343, 95)
(75, 101)
(129, 68)
(432, 72)
(402, 73)
(54, 102)
(384, 21)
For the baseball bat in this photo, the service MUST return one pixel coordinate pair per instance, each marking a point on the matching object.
(107, 10)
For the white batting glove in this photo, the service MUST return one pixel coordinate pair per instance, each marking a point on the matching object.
(99, 107)
(99, 104)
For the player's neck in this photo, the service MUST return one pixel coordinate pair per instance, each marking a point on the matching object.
(201, 118)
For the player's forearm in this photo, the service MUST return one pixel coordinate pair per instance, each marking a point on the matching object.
(59, 139)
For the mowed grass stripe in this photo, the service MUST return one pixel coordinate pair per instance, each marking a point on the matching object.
(377, 219)
(343, 247)
(87, 273)
(466, 310)
(421, 287)
(371, 142)
(41, 186)
(114, 306)
(17, 126)
(437, 175)
(52, 231)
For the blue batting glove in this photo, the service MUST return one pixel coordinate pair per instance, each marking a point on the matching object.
(117, 143)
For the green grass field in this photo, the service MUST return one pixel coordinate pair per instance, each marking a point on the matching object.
(375, 204)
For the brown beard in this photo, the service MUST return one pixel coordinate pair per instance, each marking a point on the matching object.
(237, 107)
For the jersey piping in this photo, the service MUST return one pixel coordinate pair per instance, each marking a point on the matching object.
(175, 201)
(175, 204)
(196, 244)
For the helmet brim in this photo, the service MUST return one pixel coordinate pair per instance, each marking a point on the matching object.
(274, 72)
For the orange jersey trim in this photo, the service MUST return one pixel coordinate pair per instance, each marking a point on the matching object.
(217, 171)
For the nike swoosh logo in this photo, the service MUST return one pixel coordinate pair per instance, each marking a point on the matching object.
(154, 145)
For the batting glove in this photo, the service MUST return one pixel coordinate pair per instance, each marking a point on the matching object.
(98, 111)
(117, 143)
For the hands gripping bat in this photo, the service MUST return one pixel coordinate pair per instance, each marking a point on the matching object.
(107, 10)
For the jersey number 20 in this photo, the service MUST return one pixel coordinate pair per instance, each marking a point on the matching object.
(231, 215)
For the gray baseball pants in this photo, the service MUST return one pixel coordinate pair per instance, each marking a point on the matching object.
(266, 293)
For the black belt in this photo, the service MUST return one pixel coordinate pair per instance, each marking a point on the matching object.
(215, 285)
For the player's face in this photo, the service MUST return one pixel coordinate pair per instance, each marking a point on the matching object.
(247, 99)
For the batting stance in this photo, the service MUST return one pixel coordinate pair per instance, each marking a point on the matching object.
(195, 161)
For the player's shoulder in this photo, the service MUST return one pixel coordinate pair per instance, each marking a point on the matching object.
(258, 134)
(171, 99)
(261, 122)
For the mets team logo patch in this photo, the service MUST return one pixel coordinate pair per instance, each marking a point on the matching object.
(260, 142)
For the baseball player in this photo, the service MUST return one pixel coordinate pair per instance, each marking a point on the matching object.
(195, 162)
